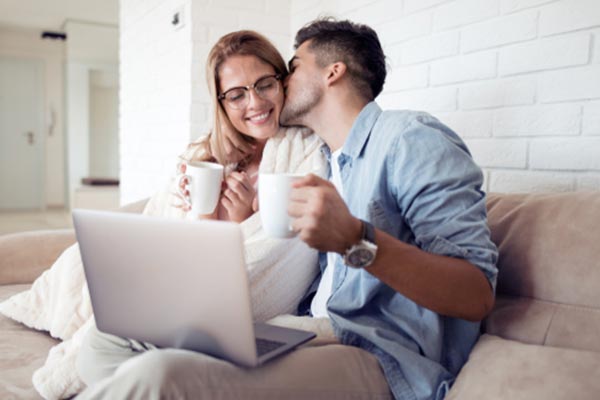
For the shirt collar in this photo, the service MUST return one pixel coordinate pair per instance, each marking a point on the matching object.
(361, 129)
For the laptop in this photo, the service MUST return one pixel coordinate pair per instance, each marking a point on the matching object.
(177, 284)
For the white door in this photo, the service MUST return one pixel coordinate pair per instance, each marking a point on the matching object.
(21, 134)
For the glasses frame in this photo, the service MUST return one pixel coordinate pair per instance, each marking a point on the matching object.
(223, 95)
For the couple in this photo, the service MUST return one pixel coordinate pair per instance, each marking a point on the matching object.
(407, 265)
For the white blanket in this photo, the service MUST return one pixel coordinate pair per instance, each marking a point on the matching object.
(279, 273)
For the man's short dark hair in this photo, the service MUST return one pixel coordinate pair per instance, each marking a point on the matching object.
(355, 45)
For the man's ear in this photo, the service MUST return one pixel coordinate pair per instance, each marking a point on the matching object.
(335, 72)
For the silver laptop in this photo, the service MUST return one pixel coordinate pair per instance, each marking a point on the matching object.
(175, 283)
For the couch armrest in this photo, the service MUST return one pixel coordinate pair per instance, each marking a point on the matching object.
(25, 255)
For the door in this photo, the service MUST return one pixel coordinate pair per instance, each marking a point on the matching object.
(21, 134)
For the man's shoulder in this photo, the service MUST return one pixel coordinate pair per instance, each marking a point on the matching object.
(417, 130)
(412, 124)
(401, 121)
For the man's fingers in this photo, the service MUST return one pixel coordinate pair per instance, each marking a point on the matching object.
(296, 209)
(310, 180)
(303, 194)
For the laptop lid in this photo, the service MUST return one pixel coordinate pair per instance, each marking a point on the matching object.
(175, 283)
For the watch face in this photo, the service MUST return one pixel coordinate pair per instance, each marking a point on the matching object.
(360, 257)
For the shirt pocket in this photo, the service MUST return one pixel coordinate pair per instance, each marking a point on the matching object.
(378, 216)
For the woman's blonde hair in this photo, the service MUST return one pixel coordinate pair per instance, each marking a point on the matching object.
(245, 43)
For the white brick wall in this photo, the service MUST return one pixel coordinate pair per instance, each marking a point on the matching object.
(164, 101)
(518, 79)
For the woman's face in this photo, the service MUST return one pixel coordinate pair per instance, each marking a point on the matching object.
(259, 118)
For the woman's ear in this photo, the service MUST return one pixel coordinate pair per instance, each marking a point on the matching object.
(335, 72)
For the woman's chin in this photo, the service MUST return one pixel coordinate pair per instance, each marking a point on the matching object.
(263, 132)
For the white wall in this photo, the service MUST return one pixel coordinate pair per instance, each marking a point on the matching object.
(90, 47)
(27, 44)
(519, 80)
(164, 101)
(104, 124)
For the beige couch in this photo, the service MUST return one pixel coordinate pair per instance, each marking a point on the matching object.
(542, 340)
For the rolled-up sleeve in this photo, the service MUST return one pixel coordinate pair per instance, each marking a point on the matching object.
(443, 203)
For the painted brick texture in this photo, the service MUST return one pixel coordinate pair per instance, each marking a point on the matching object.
(518, 79)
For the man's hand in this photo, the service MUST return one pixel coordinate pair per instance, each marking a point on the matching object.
(321, 217)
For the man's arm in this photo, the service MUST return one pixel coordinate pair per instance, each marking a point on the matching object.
(449, 286)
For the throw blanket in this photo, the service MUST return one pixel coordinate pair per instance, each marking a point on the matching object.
(279, 272)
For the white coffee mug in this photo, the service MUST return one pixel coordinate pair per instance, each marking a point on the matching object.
(273, 200)
(204, 184)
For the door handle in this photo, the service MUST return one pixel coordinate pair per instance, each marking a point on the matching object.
(30, 137)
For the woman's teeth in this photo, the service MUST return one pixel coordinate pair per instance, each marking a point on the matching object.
(260, 118)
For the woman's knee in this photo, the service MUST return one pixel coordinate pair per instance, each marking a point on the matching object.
(100, 355)
(155, 372)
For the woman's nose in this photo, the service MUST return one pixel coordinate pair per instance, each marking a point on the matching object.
(255, 100)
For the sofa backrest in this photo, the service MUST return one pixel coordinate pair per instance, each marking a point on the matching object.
(548, 288)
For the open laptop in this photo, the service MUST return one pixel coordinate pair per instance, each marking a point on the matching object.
(175, 283)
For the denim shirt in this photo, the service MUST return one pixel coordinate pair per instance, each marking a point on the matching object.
(413, 178)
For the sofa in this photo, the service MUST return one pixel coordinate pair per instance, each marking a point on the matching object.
(541, 340)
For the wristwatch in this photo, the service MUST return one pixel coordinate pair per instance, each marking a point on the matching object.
(362, 254)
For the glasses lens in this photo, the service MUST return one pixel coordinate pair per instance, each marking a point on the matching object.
(267, 87)
(236, 98)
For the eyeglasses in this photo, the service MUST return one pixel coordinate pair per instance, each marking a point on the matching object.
(266, 88)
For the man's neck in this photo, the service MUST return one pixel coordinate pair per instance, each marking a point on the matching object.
(335, 119)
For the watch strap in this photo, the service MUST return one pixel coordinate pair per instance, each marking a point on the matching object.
(368, 232)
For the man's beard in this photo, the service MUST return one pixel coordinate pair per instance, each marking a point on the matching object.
(295, 110)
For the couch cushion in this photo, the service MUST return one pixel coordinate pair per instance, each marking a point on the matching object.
(545, 323)
(23, 351)
(503, 369)
(548, 246)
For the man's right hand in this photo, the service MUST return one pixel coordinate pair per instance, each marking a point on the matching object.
(321, 217)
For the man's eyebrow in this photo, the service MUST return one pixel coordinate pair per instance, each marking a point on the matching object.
(291, 62)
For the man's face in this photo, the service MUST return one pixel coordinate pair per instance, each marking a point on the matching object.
(304, 87)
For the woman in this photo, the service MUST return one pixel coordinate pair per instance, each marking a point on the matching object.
(245, 74)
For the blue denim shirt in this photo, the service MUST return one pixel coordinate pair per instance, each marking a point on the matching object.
(412, 177)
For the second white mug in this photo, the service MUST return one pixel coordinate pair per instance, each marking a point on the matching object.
(273, 199)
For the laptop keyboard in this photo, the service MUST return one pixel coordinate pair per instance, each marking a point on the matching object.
(264, 346)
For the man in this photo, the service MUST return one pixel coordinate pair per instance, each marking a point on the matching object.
(408, 266)
(411, 268)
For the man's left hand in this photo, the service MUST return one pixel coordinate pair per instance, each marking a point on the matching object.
(321, 217)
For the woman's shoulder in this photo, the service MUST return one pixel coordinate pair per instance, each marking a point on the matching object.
(293, 131)
(297, 135)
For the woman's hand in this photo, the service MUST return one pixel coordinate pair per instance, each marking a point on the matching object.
(238, 196)
(182, 194)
